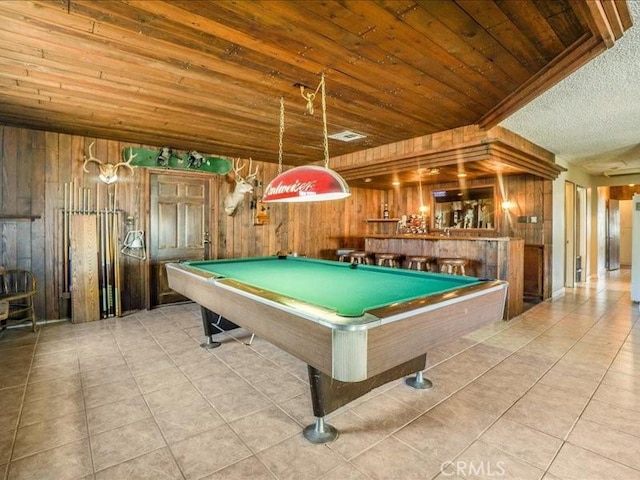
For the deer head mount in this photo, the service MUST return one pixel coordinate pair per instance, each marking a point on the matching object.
(108, 171)
(243, 185)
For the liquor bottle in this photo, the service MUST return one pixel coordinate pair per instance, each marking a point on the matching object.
(385, 212)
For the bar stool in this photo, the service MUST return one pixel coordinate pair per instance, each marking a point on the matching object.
(388, 259)
(454, 266)
(419, 263)
(4, 313)
(360, 257)
(343, 254)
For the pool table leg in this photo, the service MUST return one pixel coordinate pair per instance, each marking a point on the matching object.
(320, 432)
(419, 382)
(209, 342)
(328, 394)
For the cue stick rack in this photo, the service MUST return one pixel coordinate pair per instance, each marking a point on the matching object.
(90, 231)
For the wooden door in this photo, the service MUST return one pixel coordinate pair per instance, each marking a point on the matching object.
(613, 235)
(179, 228)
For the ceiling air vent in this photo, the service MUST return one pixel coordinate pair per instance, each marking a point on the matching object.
(347, 136)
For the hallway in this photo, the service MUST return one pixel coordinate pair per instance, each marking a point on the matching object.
(552, 394)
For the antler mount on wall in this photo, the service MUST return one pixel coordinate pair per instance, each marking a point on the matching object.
(108, 171)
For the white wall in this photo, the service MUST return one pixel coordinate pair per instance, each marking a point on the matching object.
(597, 196)
(579, 177)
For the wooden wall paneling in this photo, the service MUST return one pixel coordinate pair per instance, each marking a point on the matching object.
(213, 217)
(24, 166)
(52, 217)
(76, 158)
(9, 171)
(9, 244)
(22, 198)
(130, 195)
(36, 154)
(3, 176)
(533, 271)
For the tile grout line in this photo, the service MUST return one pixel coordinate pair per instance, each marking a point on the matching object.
(24, 394)
(520, 397)
(566, 438)
(467, 384)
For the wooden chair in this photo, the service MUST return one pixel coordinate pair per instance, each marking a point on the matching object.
(17, 288)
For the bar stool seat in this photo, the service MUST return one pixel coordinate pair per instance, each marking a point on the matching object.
(418, 262)
(453, 266)
(343, 254)
(360, 257)
(389, 259)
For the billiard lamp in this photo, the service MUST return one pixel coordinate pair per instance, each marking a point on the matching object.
(308, 183)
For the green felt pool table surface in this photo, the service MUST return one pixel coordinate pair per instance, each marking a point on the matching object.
(349, 290)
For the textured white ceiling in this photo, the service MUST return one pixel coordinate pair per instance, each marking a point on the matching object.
(592, 118)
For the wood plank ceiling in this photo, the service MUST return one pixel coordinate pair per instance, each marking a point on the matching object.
(208, 75)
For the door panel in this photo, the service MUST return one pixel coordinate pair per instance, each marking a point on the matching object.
(179, 223)
(613, 235)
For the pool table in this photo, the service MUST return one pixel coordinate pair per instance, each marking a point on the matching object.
(356, 326)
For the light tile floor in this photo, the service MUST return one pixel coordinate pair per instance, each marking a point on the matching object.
(553, 394)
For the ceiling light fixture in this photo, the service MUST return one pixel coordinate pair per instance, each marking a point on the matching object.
(309, 183)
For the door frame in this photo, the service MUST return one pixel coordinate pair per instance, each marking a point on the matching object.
(569, 234)
(212, 214)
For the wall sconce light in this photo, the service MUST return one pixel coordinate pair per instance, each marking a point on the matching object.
(507, 205)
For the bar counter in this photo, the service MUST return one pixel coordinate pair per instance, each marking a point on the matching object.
(496, 258)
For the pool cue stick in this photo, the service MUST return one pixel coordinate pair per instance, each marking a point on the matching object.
(106, 258)
(103, 276)
(109, 259)
(75, 193)
(116, 255)
(65, 240)
(116, 269)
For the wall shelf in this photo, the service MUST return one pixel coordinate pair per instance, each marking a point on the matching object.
(30, 218)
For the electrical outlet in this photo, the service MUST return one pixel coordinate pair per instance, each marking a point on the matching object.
(533, 220)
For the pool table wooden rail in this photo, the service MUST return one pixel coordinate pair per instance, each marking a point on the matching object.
(346, 354)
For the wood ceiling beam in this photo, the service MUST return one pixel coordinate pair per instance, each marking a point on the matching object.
(584, 49)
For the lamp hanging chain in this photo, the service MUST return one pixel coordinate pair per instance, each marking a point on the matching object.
(281, 135)
(324, 124)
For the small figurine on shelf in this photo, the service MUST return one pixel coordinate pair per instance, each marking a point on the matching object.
(385, 212)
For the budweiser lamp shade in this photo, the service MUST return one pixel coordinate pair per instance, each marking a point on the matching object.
(306, 184)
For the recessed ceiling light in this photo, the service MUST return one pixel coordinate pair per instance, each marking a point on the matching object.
(395, 183)
(367, 180)
(462, 175)
(347, 136)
